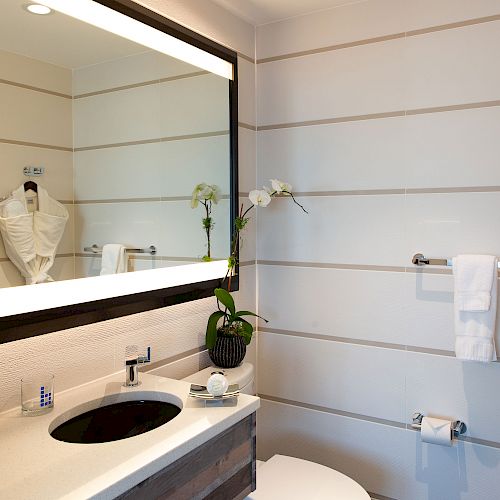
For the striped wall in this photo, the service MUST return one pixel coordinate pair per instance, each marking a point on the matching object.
(384, 115)
(147, 129)
(36, 129)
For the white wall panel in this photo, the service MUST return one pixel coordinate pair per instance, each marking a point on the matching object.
(329, 157)
(36, 117)
(344, 24)
(452, 149)
(436, 62)
(445, 225)
(343, 229)
(322, 372)
(355, 81)
(368, 305)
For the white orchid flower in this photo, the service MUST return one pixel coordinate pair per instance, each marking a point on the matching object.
(196, 192)
(259, 197)
(280, 186)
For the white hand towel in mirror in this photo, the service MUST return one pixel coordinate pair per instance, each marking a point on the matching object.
(475, 328)
(114, 259)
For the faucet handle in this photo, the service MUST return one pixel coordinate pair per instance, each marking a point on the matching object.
(145, 358)
(132, 356)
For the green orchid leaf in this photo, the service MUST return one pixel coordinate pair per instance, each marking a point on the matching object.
(211, 335)
(247, 331)
(249, 313)
(225, 298)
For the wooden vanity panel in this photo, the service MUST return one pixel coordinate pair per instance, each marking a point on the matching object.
(220, 469)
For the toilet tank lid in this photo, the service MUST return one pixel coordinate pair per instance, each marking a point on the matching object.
(241, 375)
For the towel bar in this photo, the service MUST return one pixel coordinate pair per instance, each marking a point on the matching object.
(151, 249)
(419, 260)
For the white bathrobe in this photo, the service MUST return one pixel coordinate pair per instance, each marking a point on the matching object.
(32, 226)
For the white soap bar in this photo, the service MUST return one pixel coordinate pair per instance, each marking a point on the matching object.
(217, 384)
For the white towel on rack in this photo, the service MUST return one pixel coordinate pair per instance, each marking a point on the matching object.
(474, 277)
(114, 259)
(475, 306)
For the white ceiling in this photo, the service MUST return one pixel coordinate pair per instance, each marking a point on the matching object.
(267, 11)
(58, 39)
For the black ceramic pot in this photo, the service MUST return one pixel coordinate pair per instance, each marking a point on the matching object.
(229, 351)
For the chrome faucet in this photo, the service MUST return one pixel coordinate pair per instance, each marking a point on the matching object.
(132, 361)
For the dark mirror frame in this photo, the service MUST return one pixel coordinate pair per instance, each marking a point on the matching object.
(22, 326)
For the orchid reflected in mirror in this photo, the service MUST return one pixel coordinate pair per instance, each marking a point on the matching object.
(207, 195)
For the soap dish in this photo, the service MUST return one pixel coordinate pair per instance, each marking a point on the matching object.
(201, 393)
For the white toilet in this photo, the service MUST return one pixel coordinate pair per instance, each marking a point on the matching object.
(284, 477)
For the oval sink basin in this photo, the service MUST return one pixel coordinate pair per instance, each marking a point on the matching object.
(115, 421)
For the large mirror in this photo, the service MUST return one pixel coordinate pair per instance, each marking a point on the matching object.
(115, 158)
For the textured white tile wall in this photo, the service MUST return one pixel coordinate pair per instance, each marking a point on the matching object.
(346, 332)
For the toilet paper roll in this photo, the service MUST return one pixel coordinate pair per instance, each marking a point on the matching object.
(436, 431)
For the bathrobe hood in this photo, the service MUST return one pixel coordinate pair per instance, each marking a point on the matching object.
(31, 237)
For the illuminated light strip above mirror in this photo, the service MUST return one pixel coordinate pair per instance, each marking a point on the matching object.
(110, 20)
(24, 299)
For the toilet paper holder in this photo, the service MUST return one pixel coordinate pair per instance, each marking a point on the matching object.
(458, 427)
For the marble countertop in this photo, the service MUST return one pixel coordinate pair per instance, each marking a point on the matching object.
(35, 465)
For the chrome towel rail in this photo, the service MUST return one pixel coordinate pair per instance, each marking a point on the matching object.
(419, 260)
(151, 249)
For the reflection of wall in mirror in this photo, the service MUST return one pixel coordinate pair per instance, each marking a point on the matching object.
(147, 128)
(144, 129)
(36, 129)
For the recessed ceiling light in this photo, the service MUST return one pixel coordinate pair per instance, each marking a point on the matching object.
(36, 8)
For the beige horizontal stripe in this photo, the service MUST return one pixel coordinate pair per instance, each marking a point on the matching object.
(384, 38)
(248, 263)
(34, 145)
(154, 141)
(331, 48)
(360, 342)
(352, 192)
(172, 359)
(454, 107)
(360, 267)
(143, 84)
(247, 126)
(330, 121)
(58, 256)
(140, 200)
(328, 265)
(149, 257)
(246, 58)
(333, 411)
(331, 338)
(367, 418)
(378, 116)
(450, 26)
(444, 190)
(36, 89)
(375, 192)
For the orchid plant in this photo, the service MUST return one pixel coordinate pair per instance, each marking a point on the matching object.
(208, 195)
(258, 198)
(233, 321)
